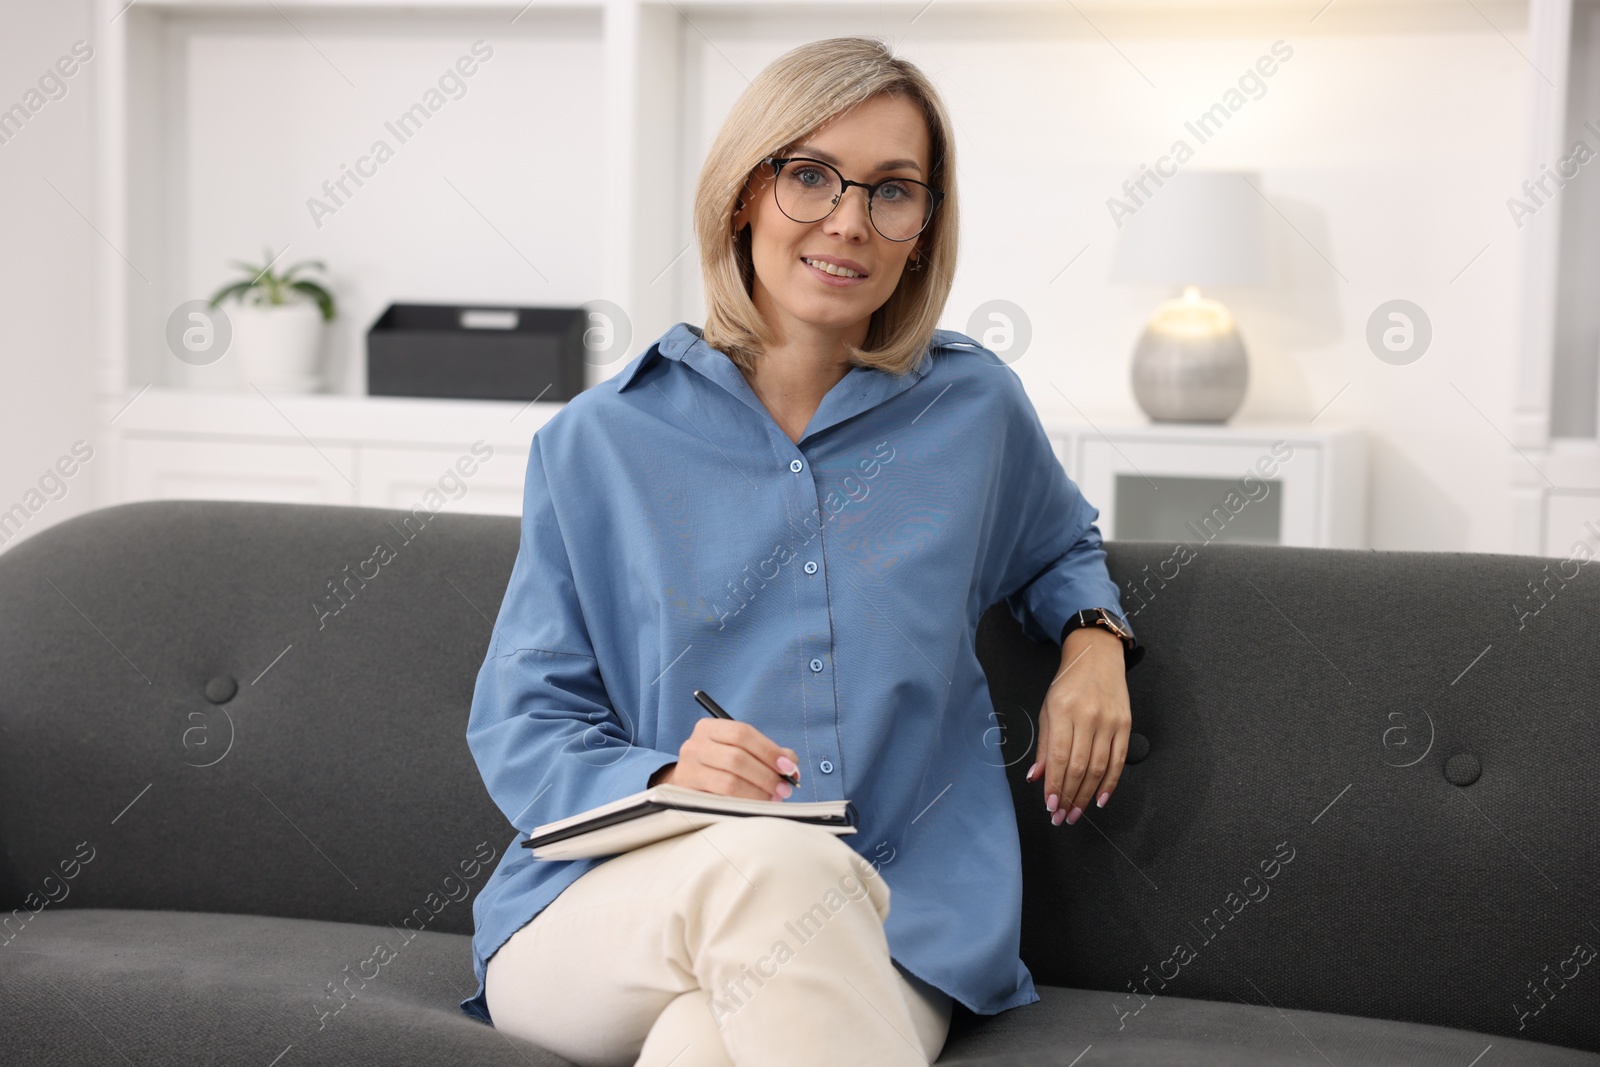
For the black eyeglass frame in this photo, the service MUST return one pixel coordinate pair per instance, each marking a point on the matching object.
(778, 162)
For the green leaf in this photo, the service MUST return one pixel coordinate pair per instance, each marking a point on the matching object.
(291, 271)
(272, 287)
(323, 298)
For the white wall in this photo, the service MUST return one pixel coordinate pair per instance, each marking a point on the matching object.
(1387, 143)
(46, 261)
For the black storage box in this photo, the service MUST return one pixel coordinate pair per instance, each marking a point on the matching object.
(478, 353)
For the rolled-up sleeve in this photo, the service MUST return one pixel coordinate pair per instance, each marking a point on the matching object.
(1056, 565)
(543, 730)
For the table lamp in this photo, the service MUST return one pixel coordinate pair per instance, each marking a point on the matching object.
(1197, 228)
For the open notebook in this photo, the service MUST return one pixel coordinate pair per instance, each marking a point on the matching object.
(668, 810)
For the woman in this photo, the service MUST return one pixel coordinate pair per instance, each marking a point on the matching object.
(802, 509)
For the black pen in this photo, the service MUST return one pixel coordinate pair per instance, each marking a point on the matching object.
(713, 708)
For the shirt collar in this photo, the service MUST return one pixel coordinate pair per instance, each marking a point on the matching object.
(684, 343)
(859, 391)
(671, 346)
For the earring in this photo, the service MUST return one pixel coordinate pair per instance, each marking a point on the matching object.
(916, 262)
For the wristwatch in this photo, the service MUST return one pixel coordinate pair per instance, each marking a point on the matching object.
(1132, 650)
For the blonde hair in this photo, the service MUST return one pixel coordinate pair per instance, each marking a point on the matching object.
(798, 92)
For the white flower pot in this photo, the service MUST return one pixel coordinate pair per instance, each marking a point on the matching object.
(277, 345)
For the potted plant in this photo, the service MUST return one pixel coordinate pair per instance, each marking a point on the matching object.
(277, 322)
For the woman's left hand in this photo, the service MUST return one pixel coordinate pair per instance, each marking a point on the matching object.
(1083, 725)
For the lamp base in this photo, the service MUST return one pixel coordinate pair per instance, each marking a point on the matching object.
(1190, 363)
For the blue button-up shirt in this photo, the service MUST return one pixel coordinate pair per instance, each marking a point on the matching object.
(826, 591)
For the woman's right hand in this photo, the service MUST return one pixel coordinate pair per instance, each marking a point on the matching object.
(733, 759)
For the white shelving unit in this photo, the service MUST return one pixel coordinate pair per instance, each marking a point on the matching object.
(1555, 479)
(185, 161)
(194, 169)
(194, 134)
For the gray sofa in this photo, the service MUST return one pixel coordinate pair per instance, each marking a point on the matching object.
(242, 827)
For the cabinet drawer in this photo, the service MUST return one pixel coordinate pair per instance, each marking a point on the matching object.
(1208, 495)
(462, 479)
(156, 468)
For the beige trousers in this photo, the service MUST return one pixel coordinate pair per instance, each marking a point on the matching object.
(752, 942)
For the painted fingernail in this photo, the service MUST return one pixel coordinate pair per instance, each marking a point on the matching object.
(1102, 801)
(1055, 820)
(1032, 771)
(1072, 816)
(784, 790)
(1051, 801)
(786, 765)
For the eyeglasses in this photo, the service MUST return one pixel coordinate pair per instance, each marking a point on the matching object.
(900, 208)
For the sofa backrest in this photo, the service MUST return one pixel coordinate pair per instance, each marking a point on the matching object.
(1365, 783)
(1359, 781)
(187, 703)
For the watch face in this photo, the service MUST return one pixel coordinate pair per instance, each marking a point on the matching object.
(1104, 619)
(1110, 622)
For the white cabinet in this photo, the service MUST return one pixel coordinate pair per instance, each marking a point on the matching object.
(399, 477)
(174, 468)
(1285, 485)
(387, 452)
(1197, 483)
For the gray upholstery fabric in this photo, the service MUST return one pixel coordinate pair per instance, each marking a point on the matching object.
(348, 794)
(183, 988)
(1372, 729)
(1182, 1032)
(94, 985)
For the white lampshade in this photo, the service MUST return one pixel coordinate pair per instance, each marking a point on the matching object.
(1198, 228)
